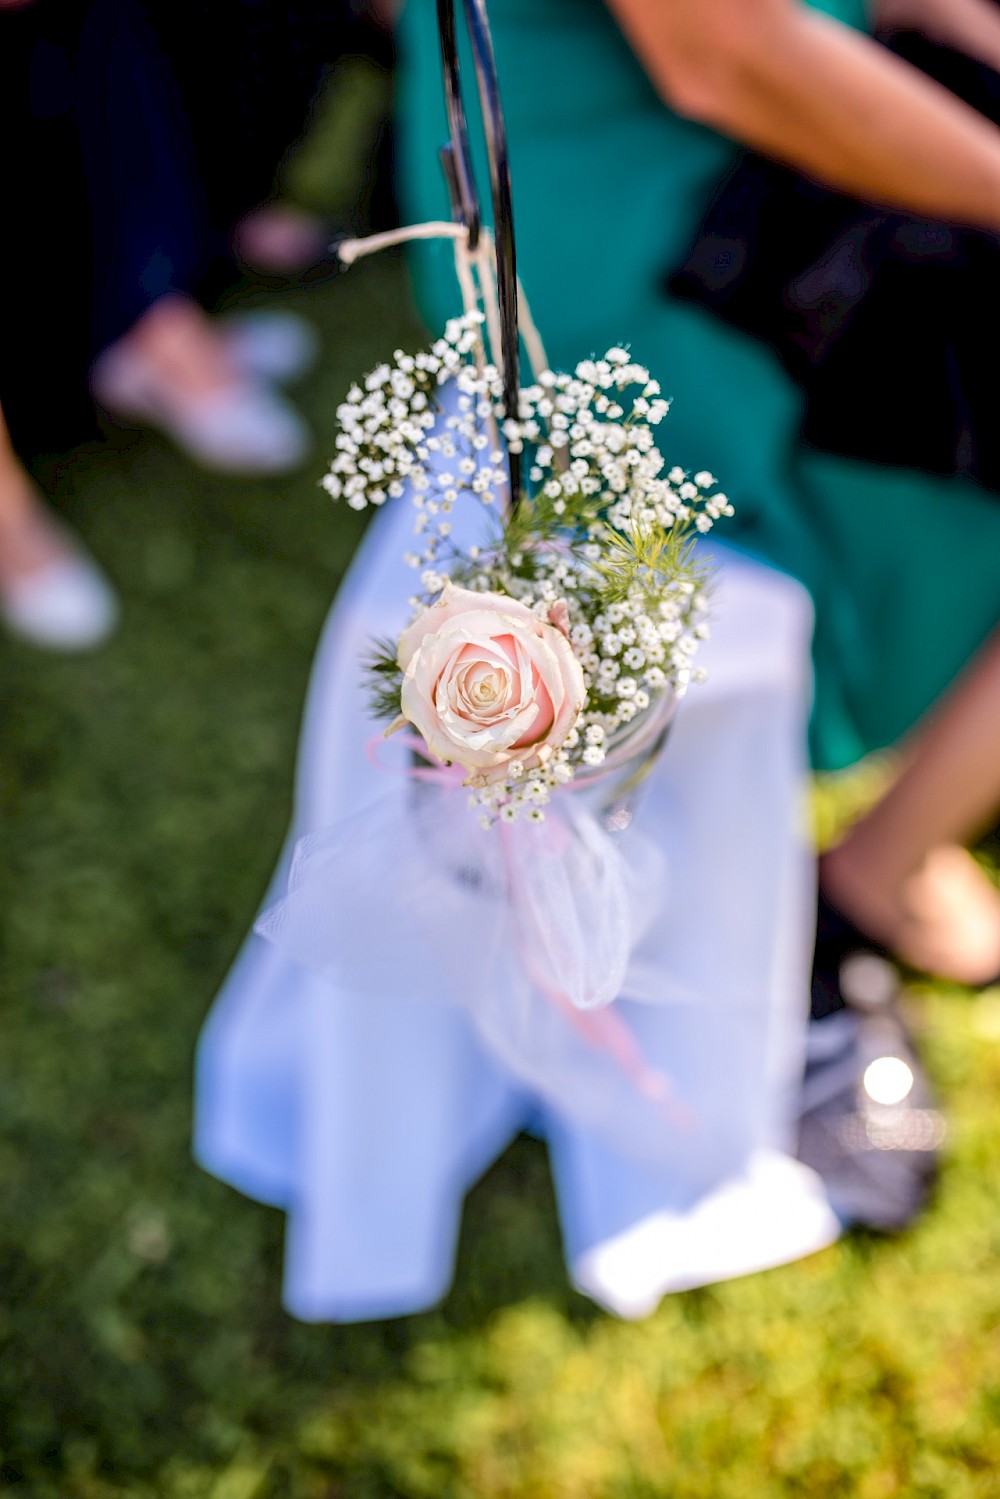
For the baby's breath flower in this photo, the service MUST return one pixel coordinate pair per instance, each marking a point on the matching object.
(610, 556)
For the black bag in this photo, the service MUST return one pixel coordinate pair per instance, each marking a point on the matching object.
(888, 321)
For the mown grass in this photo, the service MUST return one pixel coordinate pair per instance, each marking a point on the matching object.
(144, 1352)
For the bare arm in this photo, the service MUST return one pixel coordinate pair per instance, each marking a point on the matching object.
(809, 91)
(970, 26)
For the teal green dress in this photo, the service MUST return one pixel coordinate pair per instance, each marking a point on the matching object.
(609, 186)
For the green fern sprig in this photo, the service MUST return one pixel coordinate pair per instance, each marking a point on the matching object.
(385, 679)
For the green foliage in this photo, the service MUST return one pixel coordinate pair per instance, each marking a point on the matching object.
(647, 559)
(143, 1351)
(642, 560)
(329, 170)
(385, 680)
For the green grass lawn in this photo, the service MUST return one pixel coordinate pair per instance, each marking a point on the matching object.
(145, 791)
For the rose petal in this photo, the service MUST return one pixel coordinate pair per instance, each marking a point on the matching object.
(485, 679)
(455, 602)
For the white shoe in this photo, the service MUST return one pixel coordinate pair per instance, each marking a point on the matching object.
(246, 428)
(276, 345)
(66, 604)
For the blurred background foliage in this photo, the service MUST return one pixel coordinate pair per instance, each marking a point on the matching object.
(143, 1350)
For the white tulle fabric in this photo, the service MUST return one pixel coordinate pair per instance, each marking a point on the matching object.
(559, 905)
(526, 929)
(412, 1006)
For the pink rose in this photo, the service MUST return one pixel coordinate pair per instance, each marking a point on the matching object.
(487, 682)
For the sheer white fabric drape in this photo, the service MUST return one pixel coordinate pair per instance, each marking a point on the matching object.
(367, 1110)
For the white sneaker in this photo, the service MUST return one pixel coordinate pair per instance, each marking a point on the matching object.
(66, 605)
(247, 428)
(276, 345)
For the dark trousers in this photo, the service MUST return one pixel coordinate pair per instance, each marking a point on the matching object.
(103, 209)
(138, 131)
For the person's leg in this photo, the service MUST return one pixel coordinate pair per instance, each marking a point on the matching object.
(151, 235)
(50, 592)
(164, 360)
(902, 873)
(26, 542)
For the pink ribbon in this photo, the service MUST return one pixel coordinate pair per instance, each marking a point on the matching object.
(602, 1029)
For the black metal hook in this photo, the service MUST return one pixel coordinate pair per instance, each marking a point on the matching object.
(457, 162)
